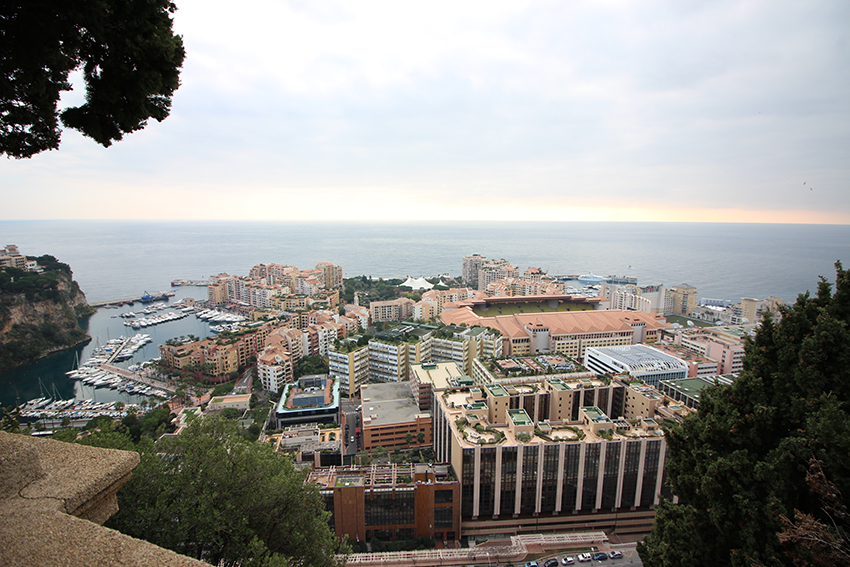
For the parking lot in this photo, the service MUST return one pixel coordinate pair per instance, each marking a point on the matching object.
(614, 556)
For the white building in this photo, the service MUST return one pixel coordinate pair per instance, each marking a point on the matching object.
(639, 361)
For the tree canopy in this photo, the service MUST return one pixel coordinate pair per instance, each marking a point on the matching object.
(761, 469)
(210, 494)
(130, 61)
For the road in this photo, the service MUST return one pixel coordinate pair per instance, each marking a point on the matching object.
(630, 557)
(349, 421)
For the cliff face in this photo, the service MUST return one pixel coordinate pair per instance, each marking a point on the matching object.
(39, 314)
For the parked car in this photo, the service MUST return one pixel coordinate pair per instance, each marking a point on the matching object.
(600, 556)
(568, 560)
(582, 557)
(614, 554)
(551, 562)
(531, 564)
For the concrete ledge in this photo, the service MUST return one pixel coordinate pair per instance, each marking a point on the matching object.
(54, 495)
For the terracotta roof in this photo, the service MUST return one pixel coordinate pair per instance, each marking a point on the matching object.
(559, 323)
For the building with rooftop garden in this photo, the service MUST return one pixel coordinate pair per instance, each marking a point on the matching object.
(310, 399)
(391, 502)
(553, 455)
(687, 391)
(430, 377)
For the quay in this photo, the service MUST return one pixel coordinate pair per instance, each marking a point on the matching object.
(139, 378)
(115, 301)
(197, 283)
(147, 298)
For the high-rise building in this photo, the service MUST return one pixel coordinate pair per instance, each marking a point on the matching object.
(567, 465)
(684, 299)
(349, 363)
(471, 265)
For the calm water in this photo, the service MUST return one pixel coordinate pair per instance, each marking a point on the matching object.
(114, 259)
(46, 377)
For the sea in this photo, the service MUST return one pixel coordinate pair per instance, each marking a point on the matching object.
(114, 259)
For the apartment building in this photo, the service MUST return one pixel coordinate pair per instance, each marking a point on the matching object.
(394, 310)
(350, 365)
(331, 275)
(494, 270)
(684, 299)
(358, 313)
(10, 257)
(624, 300)
(753, 310)
(217, 291)
(723, 344)
(274, 368)
(293, 341)
(698, 365)
(429, 377)
(470, 267)
(388, 361)
(519, 474)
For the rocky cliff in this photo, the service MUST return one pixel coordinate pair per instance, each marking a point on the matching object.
(39, 312)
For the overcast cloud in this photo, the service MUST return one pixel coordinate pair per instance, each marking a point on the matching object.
(716, 111)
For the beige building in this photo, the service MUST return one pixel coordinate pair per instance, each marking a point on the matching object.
(239, 402)
(395, 310)
(753, 310)
(684, 299)
(574, 463)
(349, 363)
(275, 367)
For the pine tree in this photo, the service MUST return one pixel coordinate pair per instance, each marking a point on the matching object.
(743, 465)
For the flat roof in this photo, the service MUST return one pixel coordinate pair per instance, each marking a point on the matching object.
(691, 387)
(386, 404)
(438, 374)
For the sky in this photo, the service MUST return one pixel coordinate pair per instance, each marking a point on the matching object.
(554, 111)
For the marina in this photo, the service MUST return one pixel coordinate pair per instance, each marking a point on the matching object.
(50, 376)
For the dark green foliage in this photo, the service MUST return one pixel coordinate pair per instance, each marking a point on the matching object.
(150, 424)
(311, 365)
(129, 56)
(375, 290)
(231, 413)
(210, 494)
(223, 389)
(741, 464)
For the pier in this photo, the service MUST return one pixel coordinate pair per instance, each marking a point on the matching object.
(115, 301)
(138, 378)
(197, 283)
(160, 296)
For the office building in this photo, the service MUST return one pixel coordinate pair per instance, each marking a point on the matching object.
(638, 361)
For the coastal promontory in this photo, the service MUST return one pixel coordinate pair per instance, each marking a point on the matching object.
(40, 307)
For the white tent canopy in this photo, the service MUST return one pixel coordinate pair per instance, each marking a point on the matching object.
(416, 284)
